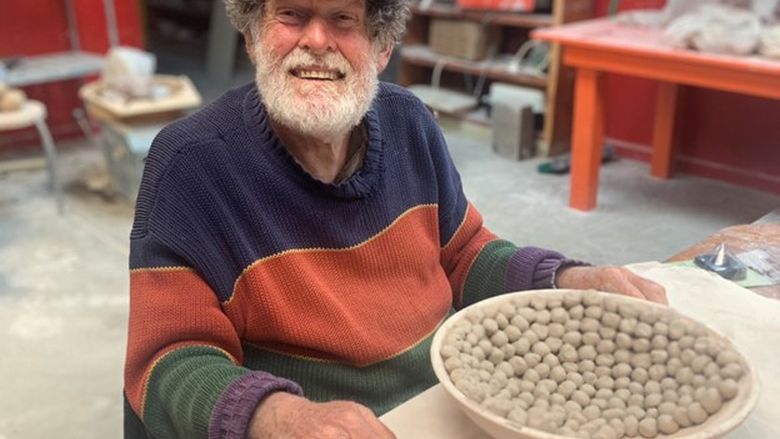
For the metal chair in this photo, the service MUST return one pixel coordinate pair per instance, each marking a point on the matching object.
(33, 114)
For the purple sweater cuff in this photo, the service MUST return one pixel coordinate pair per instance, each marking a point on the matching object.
(549, 268)
(535, 268)
(234, 409)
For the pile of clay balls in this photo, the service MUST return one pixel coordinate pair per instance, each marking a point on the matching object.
(591, 365)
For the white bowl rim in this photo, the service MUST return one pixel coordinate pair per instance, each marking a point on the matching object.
(718, 430)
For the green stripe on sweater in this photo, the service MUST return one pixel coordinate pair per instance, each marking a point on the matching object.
(381, 386)
(190, 380)
(486, 276)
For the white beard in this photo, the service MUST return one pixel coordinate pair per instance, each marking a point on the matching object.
(321, 109)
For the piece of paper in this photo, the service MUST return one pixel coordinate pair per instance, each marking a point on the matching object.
(763, 260)
(750, 321)
(753, 279)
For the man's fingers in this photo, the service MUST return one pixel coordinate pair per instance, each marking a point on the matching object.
(612, 279)
(628, 289)
(380, 430)
(630, 284)
(651, 290)
(655, 292)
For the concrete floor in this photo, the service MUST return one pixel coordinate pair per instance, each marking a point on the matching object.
(64, 281)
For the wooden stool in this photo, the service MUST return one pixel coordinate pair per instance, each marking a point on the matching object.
(33, 113)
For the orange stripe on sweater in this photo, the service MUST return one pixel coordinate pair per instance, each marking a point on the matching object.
(462, 250)
(358, 306)
(171, 309)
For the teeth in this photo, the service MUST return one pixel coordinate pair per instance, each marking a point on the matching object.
(315, 74)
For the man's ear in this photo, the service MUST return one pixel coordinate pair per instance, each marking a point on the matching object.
(383, 58)
(249, 45)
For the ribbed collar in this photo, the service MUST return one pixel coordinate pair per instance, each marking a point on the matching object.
(360, 185)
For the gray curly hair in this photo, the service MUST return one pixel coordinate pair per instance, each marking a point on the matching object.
(386, 18)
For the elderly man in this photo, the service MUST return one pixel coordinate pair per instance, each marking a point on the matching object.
(297, 242)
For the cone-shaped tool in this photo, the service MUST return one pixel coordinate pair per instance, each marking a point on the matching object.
(722, 261)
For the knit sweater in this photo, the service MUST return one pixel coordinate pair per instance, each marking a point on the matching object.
(249, 276)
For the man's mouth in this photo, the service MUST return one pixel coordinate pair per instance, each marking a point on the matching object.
(317, 74)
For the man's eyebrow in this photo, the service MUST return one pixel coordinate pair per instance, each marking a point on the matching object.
(346, 4)
(356, 4)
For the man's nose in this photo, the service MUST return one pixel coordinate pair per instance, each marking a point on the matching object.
(317, 37)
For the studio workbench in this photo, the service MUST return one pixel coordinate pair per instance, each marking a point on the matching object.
(596, 47)
(749, 318)
(751, 321)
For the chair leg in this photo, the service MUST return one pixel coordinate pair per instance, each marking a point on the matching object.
(51, 162)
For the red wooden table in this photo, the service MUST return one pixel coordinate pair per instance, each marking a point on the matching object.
(603, 46)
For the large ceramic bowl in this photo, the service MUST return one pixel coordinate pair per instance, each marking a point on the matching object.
(731, 414)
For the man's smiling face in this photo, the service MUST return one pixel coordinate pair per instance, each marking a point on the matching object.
(316, 65)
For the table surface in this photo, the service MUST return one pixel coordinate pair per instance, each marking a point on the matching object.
(740, 239)
(607, 34)
(602, 46)
(443, 418)
(181, 96)
(734, 311)
(26, 116)
(772, 217)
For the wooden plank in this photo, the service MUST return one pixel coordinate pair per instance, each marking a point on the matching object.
(557, 122)
(560, 87)
(424, 56)
(22, 164)
(500, 18)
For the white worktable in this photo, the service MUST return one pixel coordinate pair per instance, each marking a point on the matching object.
(53, 67)
(752, 322)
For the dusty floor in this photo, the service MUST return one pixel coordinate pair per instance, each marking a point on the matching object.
(63, 280)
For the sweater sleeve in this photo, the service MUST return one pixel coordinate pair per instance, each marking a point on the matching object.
(183, 373)
(478, 263)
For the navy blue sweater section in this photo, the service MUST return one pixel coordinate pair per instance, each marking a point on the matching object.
(220, 191)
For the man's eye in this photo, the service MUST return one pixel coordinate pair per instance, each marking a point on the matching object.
(345, 19)
(290, 16)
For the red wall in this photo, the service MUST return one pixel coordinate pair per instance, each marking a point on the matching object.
(726, 136)
(24, 30)
(40, 27)
(721, 135)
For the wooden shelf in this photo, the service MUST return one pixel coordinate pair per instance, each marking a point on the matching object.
(479, 116)
(512, 19)
(496, 70)
(52, 67)
(418, 60)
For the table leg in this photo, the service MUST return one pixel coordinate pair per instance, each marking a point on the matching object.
(663, 135)
(587, 139)
(51, 161)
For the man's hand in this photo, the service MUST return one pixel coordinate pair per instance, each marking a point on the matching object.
(611, 279)
(285, 416)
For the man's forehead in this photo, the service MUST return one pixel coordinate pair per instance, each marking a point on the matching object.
(350, 4)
